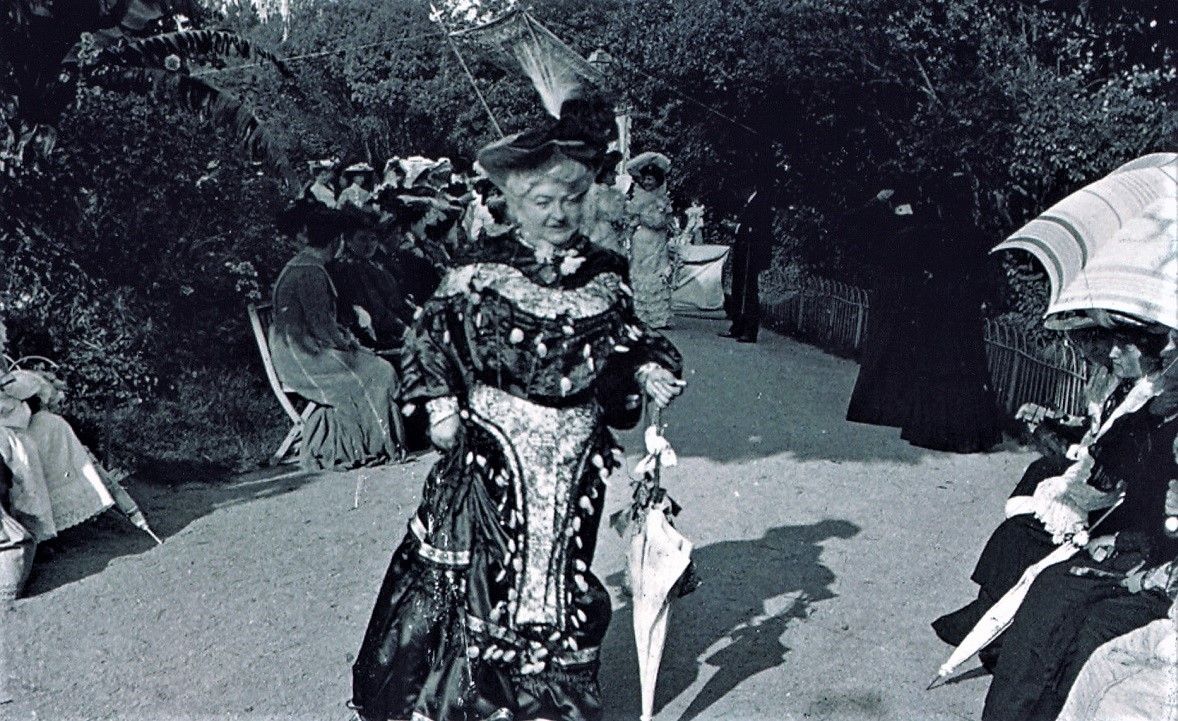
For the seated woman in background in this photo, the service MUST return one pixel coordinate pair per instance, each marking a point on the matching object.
(371, 304)
(355, 421)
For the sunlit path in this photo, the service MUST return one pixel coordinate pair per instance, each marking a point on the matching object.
(825, 549)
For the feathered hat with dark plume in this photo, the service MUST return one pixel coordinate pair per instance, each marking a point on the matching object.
(570, 90)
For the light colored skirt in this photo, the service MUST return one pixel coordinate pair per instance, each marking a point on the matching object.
(77, 489)
(650, 277)
(1131, 678)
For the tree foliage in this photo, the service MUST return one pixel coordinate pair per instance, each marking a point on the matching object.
(135, 244)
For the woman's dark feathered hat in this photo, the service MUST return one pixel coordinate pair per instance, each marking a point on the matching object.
(308, 212)
(582, 133)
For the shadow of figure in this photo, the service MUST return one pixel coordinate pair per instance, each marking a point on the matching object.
(89, 548)
(751, 590)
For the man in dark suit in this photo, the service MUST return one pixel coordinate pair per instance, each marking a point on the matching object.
(752, 254)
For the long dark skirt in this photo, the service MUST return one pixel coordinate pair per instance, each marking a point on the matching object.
(1018, 543)
(884, 387)
(1064, 618)
(954, 408)
(488, 609)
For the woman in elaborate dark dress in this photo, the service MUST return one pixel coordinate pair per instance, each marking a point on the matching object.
(525, 354)
(1075, 606)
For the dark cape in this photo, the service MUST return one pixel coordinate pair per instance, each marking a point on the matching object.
(489, 609)
(924, 366)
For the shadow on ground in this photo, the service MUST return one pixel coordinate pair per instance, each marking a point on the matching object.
(87, 549)
(750, 593)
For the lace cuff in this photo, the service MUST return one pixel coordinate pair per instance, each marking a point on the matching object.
(1019, 506)
(441, 408)
(1063, 505)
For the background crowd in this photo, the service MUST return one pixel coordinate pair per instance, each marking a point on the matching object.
(149, 212)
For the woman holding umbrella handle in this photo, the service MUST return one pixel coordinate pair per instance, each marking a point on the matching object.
(529, 351)
(661, 386)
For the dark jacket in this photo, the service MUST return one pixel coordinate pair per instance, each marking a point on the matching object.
(1137, 454)
(754, 236)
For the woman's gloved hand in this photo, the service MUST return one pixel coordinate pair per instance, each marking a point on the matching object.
(660, 384)
(1101, 547)
(443, 433)
(445, 424)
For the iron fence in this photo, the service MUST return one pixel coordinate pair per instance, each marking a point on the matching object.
(834, 315)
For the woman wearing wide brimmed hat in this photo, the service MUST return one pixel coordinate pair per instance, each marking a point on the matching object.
(357, 181)
(354, 422)
(649, 212)
(1126, 579)
(526, 354)
(322, 187)
(1043, 507)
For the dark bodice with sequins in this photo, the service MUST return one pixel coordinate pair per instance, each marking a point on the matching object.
(550, 333)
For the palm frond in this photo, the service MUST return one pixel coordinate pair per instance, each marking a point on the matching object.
(207, 101)
(153, 51)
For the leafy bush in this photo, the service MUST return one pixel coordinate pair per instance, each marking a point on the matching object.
(214, 424)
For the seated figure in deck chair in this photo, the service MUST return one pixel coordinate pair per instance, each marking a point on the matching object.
(371, 303)
(355, 420)
(57, 482)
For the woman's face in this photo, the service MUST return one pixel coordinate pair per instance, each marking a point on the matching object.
(551, 211)
(362, 243)
(648, 182)
(1126, 359)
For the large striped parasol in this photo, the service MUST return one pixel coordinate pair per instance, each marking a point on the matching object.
(1113, 245)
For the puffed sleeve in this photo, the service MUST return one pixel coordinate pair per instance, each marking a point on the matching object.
(647, 345)
(618, 390)
(429, 366)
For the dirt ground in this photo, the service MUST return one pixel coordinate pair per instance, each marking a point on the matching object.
(825, 549)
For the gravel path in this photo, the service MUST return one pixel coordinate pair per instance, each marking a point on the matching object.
(825, 549)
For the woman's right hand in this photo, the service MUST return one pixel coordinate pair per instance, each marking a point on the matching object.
(443, 433)
(1101, 548)
(1031, 413)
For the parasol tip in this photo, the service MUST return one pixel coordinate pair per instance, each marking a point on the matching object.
(933, 684)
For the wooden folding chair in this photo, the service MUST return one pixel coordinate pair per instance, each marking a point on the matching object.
(261, 314)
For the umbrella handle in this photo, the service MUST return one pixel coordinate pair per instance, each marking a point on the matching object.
(656, 419)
